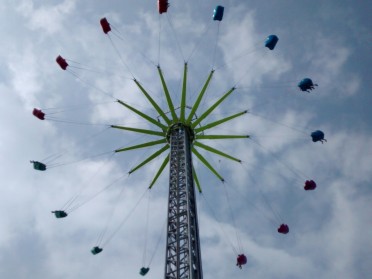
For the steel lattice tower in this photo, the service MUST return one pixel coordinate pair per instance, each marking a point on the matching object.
(183, 259)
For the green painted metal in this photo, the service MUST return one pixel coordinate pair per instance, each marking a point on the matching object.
(167, 96)
(208, 111)
(218, 122)
(200, 97)
(145, 116)
(183, 98)
(153, 156)
(196, 179)
(154, 104)
(213, 150)
(147, 144)
(142, 131)
(221, 137)
(163, 165)
(206, 163)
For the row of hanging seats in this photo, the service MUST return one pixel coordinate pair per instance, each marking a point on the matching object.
(305, 85)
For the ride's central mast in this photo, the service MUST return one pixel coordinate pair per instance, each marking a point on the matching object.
(183, 258)
(181, 133)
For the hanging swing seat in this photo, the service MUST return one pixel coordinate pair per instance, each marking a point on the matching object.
(163, 6)
(283, 229)
(38, 113)
(38, 165)
(105, 25)
(61, 62)
(95, 250)
(60, 213)
(241, 260)
(218, 13)
(318, 136)
(271, 41)
(306, 85)
(309, 185)
(144, 270)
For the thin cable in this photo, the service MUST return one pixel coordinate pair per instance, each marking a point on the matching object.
(242, 76)
(279, 123)
(87, 69)
(297, 173)
(146, 228)
(234, 59)
(110, 217)
(241, 54)
(96, 194)
(51, 158)
(125, 219)
(275, 212)
(85, 185)
(118, 35)
(215, 45)
(76, 107)
(80, 160)
(175, 35)
(158, 242)
(159, 39)
(233, 218)
(199, 41)
(223, 231)
(74, 122)
(121, 58)
(90, 85)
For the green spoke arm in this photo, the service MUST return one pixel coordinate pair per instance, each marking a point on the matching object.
(183, 98)
(154, 104)
(196, 179)
(205, 162)
(218, 122)
(167, 96)
(145, 116)
(208, 111)
(221, 136)
(142, 131)
(200, 97)
(153, 156)
(147, 144)
(213, 150)
(163, 165)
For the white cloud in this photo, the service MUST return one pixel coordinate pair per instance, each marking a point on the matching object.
(48, 18)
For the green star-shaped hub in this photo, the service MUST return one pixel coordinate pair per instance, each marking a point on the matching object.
(194, 126)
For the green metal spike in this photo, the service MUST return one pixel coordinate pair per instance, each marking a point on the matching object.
(213, 150)
(163, 165)
(145, 116)
(183, 98)
(153, 156)
(205, 162)
(142, 131)
(200, 97)
(154, 104)
(167, 96)
(147, 144)
(208, 111)
(221, 137)
(196, 179)
(218, 122)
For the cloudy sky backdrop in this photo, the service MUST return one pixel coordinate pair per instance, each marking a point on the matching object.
(330, 228)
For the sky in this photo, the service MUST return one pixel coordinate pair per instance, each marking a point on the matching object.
(330, 227)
